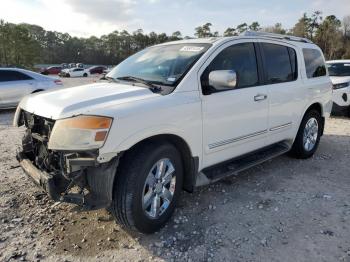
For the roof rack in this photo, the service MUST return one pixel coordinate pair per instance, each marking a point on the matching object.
(277, 36)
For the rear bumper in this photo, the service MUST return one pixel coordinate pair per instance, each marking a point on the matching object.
(43, 179)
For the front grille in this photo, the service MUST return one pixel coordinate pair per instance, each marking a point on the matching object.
(35, 142)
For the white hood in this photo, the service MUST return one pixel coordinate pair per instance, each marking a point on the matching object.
(339, 79)
(66, 102)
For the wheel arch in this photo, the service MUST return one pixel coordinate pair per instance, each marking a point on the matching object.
(37, 90)
(189, 161)
(318, 107)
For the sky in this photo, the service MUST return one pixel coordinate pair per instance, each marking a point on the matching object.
(84, 18)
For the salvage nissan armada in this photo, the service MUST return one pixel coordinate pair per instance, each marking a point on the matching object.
(173, 117)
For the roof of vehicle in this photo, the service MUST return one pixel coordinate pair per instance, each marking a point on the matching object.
(338, 61)
(298, 41)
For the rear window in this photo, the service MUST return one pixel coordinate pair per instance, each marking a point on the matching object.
(314, 63)
(280, 63)
(9, 75)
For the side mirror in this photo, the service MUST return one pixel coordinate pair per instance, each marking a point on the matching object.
(223, 79)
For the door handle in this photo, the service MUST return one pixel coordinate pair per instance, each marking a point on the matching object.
(260, 97)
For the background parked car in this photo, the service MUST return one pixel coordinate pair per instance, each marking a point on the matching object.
(16, 83)
(339, 72)
(64, 65)
(74, 72)
(97, 69)
(51, 70)
(80, 65)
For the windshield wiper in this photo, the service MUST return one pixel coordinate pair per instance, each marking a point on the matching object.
(140, 80)
(111, 79)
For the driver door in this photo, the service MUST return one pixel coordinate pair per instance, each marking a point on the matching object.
(235, 121)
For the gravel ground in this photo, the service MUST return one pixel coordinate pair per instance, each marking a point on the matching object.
(282, 210)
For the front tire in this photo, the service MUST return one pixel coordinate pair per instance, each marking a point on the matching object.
(147, 187)
(85, 75)
(308, 136)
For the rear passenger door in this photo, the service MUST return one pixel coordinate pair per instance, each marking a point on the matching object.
(283, 83)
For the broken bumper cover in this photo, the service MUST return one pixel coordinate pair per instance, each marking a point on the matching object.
(41, 178)
(97, 180)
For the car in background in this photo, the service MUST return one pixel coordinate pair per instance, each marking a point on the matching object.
(97, 69)
(339, 72)
(51, 70)
(64, 65)
(16, 83)
(74, 72)
(80, 65)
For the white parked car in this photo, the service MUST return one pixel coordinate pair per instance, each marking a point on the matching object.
(176, 116)
(16, 83)
(74, 72)
(339, 72)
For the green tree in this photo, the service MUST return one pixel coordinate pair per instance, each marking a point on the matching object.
(230, 31)
(255, 26)
(204, 31)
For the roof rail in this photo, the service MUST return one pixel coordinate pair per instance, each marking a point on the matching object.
(277, 36)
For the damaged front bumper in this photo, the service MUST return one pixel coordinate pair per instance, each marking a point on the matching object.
(42, 179)
(66, 176)
(94, 184)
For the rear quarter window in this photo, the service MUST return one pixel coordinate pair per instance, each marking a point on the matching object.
(314, 63)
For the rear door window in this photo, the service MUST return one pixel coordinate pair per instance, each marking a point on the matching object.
(10, 75)
(314, 63)
(280, 63)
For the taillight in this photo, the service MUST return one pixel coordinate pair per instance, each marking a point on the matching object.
(58, 82)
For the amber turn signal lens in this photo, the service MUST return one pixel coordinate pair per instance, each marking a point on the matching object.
(88, 122)
(100, 135)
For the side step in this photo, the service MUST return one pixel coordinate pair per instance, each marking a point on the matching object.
(233, 166)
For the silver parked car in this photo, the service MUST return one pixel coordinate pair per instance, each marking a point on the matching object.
(16, 83)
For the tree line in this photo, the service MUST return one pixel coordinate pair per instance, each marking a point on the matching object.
(24, 45)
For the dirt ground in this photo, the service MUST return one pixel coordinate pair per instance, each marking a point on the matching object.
(282, 210)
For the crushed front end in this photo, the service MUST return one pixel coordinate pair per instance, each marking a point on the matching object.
(67, 176)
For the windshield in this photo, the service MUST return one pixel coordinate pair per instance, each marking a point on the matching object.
(339, 69)
(164, 65)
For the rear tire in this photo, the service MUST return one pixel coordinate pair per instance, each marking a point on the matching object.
(141, 200)
(67, 75)
(85, 75)
(308, 136)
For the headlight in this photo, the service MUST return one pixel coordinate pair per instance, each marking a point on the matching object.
(80, 133)
(342, 85)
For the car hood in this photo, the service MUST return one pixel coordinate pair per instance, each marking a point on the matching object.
(339, 79)
(67, 102)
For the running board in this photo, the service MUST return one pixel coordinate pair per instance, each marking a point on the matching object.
(233, 166)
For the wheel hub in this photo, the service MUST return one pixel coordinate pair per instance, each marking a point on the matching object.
(159, 188)
(310, 134)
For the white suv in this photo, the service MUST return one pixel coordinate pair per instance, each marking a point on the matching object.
(175, 116)
(339, 72)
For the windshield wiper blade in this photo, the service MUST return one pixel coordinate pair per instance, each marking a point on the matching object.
(140, 80)
(111, 79)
